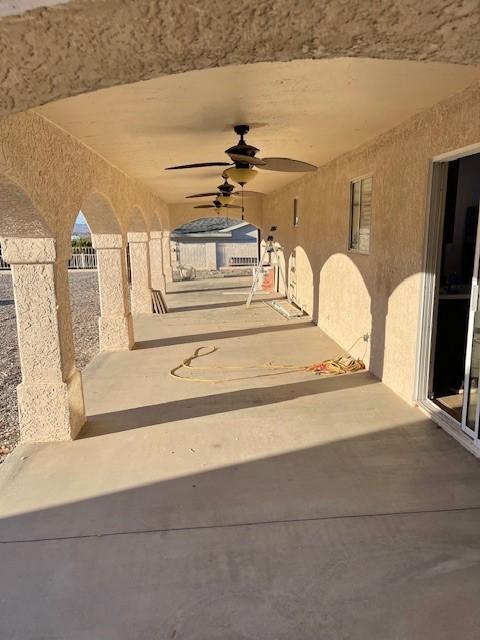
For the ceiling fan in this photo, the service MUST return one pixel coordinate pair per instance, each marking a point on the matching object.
(216, 204)
(244, 158)
(224, 192)
(224, 197)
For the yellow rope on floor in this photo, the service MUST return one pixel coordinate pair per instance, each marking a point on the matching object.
(336, 366)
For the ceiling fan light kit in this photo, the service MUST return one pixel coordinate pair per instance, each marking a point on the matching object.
(240, 175)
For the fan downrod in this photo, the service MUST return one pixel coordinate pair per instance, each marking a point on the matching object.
(241, 130)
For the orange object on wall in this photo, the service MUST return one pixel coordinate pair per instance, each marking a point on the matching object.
(268, 279)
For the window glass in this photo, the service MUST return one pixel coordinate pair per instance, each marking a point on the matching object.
(296, 217)
(360, 214)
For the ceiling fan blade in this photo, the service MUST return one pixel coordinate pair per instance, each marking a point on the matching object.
(248, 194)
(203, 195)
(287, 164)
(237, 157)
(200, 164)
(231, 206)
(204, 206)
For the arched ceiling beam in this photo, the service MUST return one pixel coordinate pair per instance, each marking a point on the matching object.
(66, 49)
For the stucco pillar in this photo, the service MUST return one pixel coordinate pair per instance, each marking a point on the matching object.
(50, 396)
(156, 261)
(141, 295)
(167, 256)
(115, 322)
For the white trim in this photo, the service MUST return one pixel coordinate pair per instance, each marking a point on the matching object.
(201, 234)
(463, 152)
(351, 249)
(243, 223)
(433, 234)
(469, 350)
(448, 424)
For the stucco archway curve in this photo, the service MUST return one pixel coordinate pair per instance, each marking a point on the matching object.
(100, 214)
(136, 222)
(58, 174)
(156, 222)
(19, 217)
(159, 38)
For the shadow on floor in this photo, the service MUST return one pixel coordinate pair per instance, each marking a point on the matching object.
(220, 335)
(352, 536)
(197, 307)
(205, 405)
(200, 289)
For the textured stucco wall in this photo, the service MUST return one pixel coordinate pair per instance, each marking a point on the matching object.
(115, 322)
(140, 269)
(353, 294)
(47, 176)
(67, 49)
(50, 398)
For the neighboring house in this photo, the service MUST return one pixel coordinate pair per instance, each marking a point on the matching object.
(213, 243)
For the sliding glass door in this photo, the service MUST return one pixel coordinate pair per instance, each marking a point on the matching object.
(470, 413)
(454, 369)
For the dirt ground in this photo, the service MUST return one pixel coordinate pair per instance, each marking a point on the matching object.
(85, 311)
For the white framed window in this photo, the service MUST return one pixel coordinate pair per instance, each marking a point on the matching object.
(296, 213)
(360, 215)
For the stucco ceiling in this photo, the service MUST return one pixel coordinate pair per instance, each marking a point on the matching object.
(15, 7)
(312, 110)
(60, 49)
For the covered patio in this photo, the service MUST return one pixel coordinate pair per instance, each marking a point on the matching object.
(261, 507)
(237, 499)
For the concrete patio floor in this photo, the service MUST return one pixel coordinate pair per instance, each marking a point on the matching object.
(269, 507)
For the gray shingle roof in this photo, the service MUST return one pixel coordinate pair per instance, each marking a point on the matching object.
(215, 223)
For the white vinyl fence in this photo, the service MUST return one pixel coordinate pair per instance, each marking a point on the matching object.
(3, 265)
(83, 258)
(214, 255)
(231, 254)
(197, 255)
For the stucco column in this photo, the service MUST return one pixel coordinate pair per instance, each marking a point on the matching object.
(156, 261)
(50, 396)
(115, 322)
(141, 295)
(167, 256)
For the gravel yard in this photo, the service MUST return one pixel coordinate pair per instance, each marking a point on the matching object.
(85, 311)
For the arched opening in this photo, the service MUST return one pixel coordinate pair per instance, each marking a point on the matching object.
(84, 294)
(97, 277)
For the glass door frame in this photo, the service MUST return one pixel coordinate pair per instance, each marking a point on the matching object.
(473, 311)
(428, 302)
